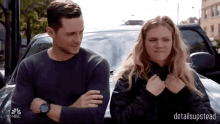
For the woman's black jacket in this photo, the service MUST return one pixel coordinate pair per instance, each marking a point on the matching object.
(137, 105)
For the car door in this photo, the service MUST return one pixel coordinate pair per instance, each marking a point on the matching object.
(198, 42)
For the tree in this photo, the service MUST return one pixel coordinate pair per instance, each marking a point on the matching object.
(218, 44)
(2, 16)
(192, 19)
(33, 17)
(184, 22)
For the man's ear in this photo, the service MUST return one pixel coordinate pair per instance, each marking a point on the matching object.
(51, 32)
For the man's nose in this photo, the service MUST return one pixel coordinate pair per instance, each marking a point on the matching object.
(77, 38)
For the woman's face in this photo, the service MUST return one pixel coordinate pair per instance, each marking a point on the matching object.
(158, 44)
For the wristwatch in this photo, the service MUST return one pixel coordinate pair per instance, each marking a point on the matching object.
(45, 108)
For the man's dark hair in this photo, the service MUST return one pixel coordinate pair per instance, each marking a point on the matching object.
(56, 10)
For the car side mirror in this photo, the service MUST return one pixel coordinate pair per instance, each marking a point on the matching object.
(202, 61)
(2, 83)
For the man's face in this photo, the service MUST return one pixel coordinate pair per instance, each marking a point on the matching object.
(68, 38)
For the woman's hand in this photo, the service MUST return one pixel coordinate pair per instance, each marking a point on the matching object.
(155, 85)
(174, 84)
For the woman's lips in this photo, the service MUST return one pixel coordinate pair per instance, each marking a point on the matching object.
(159, 51)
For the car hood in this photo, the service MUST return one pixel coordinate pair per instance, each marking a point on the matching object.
(212, 89)
(5, 91)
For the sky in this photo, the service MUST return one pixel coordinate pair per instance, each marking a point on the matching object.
(105, 13)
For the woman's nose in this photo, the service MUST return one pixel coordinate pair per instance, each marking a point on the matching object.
(159, 43)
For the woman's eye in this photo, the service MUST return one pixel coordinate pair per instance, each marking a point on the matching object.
(166, 40)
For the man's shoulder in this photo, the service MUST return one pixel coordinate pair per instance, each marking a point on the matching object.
(91, 56)
(87, 52)
(93, 60)
(35, 58)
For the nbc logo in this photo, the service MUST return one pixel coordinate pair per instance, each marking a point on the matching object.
(14, 114)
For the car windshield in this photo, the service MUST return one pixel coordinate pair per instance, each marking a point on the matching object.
(115, 44)
(112, 45)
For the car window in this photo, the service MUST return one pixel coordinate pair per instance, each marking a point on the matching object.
(39, 45)
(114, 46)
(194, 41)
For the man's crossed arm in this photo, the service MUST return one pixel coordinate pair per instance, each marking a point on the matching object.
(90, 99)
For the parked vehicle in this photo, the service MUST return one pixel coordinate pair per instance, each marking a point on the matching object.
(199, 42)
(134, 22)
(114, 45)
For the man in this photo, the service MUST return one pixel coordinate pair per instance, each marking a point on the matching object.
(66, 83)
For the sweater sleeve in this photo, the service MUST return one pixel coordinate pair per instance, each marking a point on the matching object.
(126, 107)
(99, 81)
(195, 104)
(23, 95)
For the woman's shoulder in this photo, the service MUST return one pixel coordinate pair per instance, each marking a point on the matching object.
(195, 75)
(198, 82)
(137, 83)
(122, 84)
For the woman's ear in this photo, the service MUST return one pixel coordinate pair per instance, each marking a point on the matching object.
(50, 32)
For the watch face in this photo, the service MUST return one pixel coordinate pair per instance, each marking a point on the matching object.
(44, 108)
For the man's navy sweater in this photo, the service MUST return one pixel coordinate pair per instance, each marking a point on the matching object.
(61, 83)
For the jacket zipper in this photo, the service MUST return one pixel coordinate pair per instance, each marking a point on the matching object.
(156, 110)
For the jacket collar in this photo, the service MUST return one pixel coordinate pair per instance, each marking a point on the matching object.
(160, 71)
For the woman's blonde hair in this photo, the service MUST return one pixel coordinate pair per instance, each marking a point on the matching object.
(137, 64)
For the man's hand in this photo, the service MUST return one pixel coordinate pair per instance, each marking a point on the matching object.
(155, 85)
(174, 84)
(90, 99)
(35, 105)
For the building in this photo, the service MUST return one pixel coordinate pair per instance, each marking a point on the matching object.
(210, 18)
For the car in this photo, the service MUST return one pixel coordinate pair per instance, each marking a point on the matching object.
(134, 22)
(113, 44)
(199, 42)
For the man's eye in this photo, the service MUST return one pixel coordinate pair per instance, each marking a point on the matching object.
(152, 40)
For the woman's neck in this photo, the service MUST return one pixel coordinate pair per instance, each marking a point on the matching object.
(160, 63)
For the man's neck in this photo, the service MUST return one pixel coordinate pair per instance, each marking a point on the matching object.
(58, 55)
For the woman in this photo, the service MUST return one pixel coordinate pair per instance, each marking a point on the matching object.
(155, 83)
